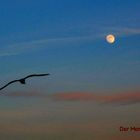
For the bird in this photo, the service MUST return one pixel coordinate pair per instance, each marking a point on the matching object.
(22, 80)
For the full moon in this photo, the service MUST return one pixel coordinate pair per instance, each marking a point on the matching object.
(110, 38)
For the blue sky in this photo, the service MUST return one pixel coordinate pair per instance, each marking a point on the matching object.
(60, 36)
(67, 39)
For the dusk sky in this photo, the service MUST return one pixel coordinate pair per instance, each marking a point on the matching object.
(93, 87)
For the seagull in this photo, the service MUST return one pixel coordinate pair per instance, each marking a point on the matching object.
(22, 80)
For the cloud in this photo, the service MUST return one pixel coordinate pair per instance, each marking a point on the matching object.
(8, 54)
(89, 34)
(23, 47)
(76, 96)
(120, 98)
(123, 98)
(123, 31)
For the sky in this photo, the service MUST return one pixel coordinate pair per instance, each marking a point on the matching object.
(93, 87)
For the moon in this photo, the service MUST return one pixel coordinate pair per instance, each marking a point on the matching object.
(110, 38)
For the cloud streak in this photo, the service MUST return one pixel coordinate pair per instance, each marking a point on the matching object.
(120, 98)
(91, 34)
(123, 98)
(8, 54)
(24, 47)
(123, 31)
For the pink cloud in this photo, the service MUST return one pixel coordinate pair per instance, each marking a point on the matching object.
(118, 98)
(122, 98)
(75, 96)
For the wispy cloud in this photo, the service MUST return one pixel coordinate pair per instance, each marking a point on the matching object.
(8, 54)
(27, 46)
(123, 98)
(123, 31)
(120, 98)
(54, 42)
(90, 35)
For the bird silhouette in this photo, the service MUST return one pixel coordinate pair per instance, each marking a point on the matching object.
(22, 80)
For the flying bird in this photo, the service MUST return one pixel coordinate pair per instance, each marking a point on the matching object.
(22, 80)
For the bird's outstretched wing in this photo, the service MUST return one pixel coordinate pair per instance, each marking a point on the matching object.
(33, 75)
(8, 84)
(19, 80)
